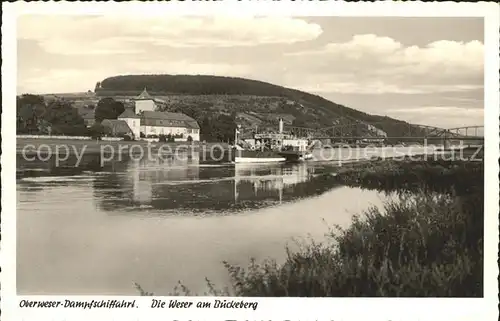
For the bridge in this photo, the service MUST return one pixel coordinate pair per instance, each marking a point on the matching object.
(412, 131)
(372, 132)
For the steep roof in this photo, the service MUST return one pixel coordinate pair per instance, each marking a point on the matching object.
(185, 120)
(166, 115)
(128, 113)
(144, 95)
(117, 126)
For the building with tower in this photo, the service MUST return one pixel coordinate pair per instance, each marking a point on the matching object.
(144, 102)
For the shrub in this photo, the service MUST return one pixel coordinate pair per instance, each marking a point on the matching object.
(127, 138)
(429, 245)
(439, 176)
(97, 131)
(170, 138)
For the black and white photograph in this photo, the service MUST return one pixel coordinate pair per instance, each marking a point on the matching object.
(251, 156)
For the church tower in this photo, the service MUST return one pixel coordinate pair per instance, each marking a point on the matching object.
(144, 102)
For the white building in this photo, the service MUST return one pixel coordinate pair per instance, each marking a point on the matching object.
(158, 123)
(144, 102)
(133, 121)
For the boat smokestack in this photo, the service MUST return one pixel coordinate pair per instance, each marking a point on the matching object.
(236, 134)
(281, 126)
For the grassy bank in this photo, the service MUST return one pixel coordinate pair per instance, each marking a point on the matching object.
(460, 177)
(427, 242)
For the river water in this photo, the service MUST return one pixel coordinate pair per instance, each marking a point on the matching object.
(98, 230)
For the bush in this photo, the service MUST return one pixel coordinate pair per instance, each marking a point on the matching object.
(438, 176)
(97, 131)
(430, 245)
(127, 138)
(162, 138)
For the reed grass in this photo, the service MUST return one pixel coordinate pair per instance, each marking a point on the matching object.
(412, 176)
(419, 246)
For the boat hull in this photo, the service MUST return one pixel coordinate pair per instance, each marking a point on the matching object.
(247, 160)
(296, 156)
(307, 156)
(253, 156)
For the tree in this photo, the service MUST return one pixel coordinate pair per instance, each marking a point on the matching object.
(98, 130)
(64, 119)
(30, 110)
(206, 128)
(226, 126)
(108, 108)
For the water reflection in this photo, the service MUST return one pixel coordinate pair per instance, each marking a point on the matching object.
(268, 182)
(144, 176)
(179, 185)
(97, 228)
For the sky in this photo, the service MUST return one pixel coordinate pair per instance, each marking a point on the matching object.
(423, 70)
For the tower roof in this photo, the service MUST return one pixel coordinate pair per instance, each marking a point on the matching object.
(144, 95)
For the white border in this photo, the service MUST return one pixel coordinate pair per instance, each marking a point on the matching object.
(272, 308)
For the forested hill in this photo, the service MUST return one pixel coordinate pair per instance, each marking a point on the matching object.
(253, 103)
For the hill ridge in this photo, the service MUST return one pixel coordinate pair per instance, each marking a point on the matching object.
(244, 99)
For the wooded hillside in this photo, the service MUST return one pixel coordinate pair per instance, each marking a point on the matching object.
(252, 103)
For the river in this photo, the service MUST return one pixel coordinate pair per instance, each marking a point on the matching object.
(98, 230)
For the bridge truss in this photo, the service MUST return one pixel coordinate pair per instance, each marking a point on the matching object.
(362, 130)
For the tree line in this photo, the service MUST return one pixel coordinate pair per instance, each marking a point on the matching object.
(36, 116)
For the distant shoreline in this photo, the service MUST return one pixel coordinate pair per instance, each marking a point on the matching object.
(96, 147)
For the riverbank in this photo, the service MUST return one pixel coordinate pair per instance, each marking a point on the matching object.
(425, 242)
(46, 146)
(432, 175)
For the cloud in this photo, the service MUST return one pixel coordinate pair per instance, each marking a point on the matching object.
(48, 81)
(372, 64)
(356, 48)
(77, 80)
(98, 35)
(449, 56)
(441, 110)
(380, 87)
(443, 116)
(453, 56)
(184, 67)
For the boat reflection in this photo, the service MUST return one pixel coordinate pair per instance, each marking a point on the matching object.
(145, 174)
(178, 185)
(267, 180)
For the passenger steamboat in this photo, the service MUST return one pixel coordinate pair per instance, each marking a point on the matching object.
(270, 147)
